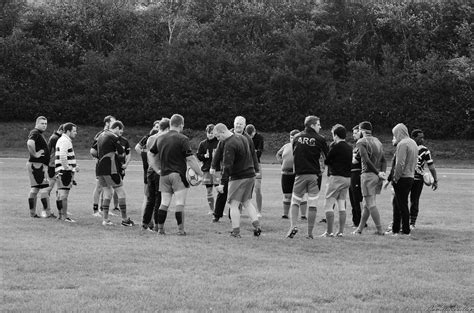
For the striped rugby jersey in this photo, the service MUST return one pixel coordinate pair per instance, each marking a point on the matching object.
(64, 153)
(424, 157)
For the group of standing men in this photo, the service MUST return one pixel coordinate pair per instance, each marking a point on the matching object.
(230, 163)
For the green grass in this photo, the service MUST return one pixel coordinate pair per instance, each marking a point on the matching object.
(13, 135)
(51, 266)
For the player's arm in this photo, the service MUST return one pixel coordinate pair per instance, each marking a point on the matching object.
(400, 162)
(217, 157)
(138, 148)
(201, 152)
(432, 169)
(365, 156)
(153, 155)
(279, 154)
(32, 149)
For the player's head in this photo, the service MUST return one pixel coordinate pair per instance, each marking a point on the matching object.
(41, 123)
(210, 131)
(108, 120)
(70, 129)
(156, 124)
(164, 124)
(418, 136)
(250, 129)
(313, 122)
(365, 127)
(338, 132)
(293, 133)
(117, 128)
(239, 124)
(177, 122)
(60, 129)
(221, 132)
(356, 134)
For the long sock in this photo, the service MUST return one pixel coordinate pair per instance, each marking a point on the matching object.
(64, 207)
(252, 211)
(286, 207)
(329, 221)
(303, 208)
(179, 214)
(95, 207)
(162, 213)
(210, 201)
(363, 219)
(256, 224)
(376, 217)
(293, 214)
(32, 205)
(311, 219)
(105, 208)
(259, 201)
(235, 215)
(59, 205)
(342, 221)
(123, 207)
(46, 207)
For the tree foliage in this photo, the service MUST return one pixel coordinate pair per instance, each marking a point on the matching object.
(272, 62)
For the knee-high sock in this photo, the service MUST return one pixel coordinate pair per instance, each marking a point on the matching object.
(342, 221)
(210, 201)
(363, 219)
(59, 204)
(376, 217)
(179, 214)
(45, 202)
(64, 207)
(32, 203)
(105, 208)
(294, 214)
(123, 207)
(252, 211)
(286, 207)
(259, 201)
(303, 208)
(235, 215)
(162, 213)
(329, 221)
(311, 219)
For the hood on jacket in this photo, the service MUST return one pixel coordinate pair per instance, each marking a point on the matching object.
(400, 131)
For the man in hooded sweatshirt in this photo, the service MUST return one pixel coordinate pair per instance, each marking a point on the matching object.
(406, 156)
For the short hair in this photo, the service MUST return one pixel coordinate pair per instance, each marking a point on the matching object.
(156, 122)
(108, 118)
(220, 127)
(41, 118)
(294, 132)
(250, 129)
(69, 126)
(367, 126)
(339, 130)
(355, 127)
(61, 128)
(116, 124)
(210, 128)
(240, 117)
(164, 123)
(176, 120)
(416, 132)
(310, 120)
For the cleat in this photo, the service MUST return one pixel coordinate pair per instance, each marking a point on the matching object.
(356, 232)
(412, 226)
(97, 214)
(323, 221)
(181, 233)
(285, 217)
(340, 235)
(390, 233)
(259, 215)
(303, 218)
(112, 213)
(215, 220)
(210, 212)
(257, 232)
(51, 216)
(327, 235)
(309, 237)
(235, 235)
(35, 216)
(292, 232)
(128, 222)
(107, 223)
(379, 233)
(69, 220)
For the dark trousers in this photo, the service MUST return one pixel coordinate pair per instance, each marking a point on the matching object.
(415, 200)
(400, 209)
(153, 199)
(221, 200)
(355, 195)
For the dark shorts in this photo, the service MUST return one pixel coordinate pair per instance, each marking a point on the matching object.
(65, 179)
(38, 174)
(241, 189)
(287, 182)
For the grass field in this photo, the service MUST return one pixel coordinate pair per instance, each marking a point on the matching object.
(52, 266)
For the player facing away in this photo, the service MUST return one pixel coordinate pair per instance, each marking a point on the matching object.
(339, 161)
(108, 172)
(172, 153)
(238, 169)
(66, 166)
(424, 157)
(285, 157)
(108, 120)
(53, 139)
(204, 154)
(308, 147)
(258, 143)
(372, 175)
(37, 166)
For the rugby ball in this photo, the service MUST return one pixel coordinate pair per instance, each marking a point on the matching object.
(193, 178)
(428, 179)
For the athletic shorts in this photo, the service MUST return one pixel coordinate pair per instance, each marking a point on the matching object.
(38, 174)
(306, 183)
(337, 187)
(51, 172)
(241, 189)
(171, 183)
(65, 179)
(114, 180)
(287, 181)
(211, 180)
(370, 184)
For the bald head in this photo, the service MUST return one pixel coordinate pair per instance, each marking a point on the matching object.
(222, 132)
